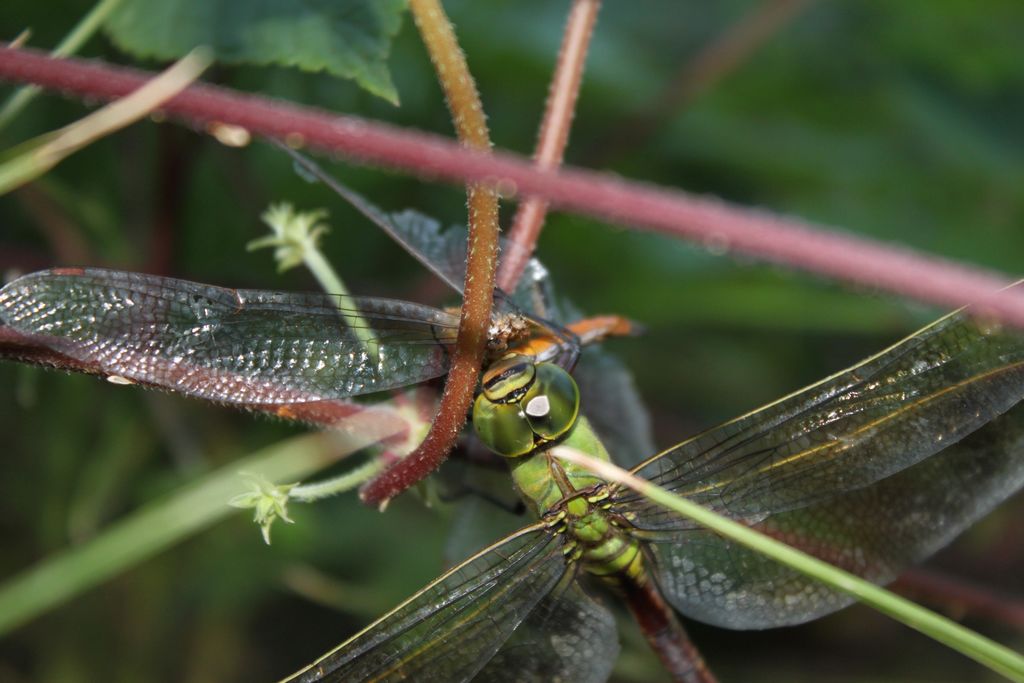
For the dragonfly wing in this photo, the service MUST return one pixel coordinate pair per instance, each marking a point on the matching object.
(441, 251)
(568, 637)
(614, 406)
(874, 532)
(419, 235)
(450, 630)
(850, 430)
(235, 346)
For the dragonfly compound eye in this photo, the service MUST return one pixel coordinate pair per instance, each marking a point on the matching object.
(552, 403)
(512, 426)
(507, 380)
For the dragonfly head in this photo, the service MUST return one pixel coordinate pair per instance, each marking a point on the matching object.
(524, 404)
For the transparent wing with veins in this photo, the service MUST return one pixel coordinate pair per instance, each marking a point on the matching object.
(229, 345)
(872, 469)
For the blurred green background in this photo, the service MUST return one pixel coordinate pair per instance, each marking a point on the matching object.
(899, 121)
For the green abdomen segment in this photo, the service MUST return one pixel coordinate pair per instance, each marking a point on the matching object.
(606, 551)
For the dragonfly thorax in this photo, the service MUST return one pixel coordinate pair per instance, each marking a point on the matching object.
(506, 331)
(597, 536)
(524, 404)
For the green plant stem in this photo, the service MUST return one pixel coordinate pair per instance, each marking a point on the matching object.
(355, 477)
(997, 657)
(160, 524)
(83, 30)
(324, 273)
(332, 284)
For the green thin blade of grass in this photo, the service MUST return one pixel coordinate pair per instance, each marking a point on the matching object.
(162, 523)
(35, 157)
(996, 657)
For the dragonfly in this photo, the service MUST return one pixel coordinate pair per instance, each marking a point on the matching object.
(872, 469)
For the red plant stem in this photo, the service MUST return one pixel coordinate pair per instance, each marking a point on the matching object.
(728, 52)
(554, 135)
(62, 234)
(481, 257)
(176, 156)
(716, 60)
(961, 597)
(755, 233)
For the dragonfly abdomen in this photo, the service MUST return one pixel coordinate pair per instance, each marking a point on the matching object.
(611, 553)
(615, 556)
(606, 549)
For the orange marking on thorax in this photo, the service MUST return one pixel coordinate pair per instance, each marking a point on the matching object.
(589, 331)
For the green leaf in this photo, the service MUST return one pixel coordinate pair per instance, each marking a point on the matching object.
(347, 38)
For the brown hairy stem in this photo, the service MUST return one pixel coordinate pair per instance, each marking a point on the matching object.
(481, 257)
(553, 137)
